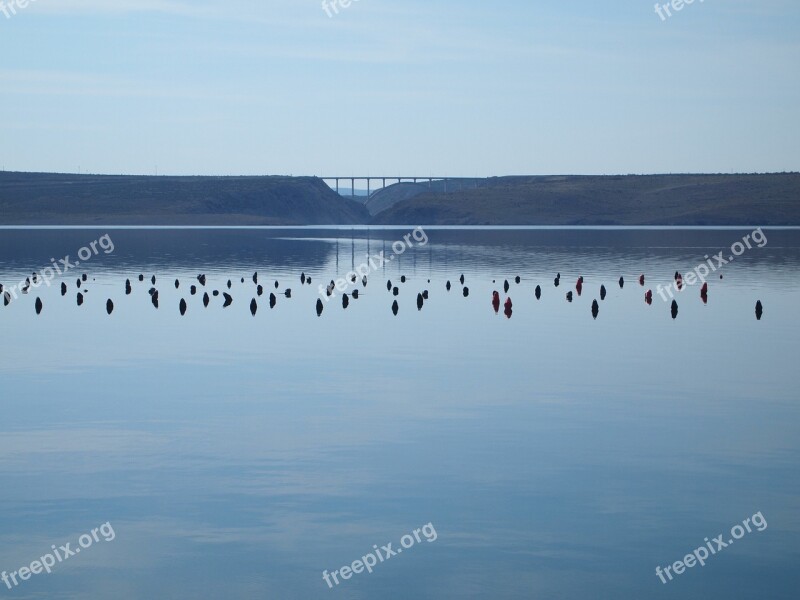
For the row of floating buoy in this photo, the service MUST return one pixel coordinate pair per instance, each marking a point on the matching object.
(395, 290)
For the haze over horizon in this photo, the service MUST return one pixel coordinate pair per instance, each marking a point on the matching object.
(279, 87)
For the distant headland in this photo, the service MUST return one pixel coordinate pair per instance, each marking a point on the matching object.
(62, 199)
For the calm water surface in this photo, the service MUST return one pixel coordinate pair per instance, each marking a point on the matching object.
(555, 455)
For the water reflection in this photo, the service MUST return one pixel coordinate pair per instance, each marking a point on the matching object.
(240, 456)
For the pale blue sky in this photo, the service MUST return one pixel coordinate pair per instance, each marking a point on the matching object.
(413, 87)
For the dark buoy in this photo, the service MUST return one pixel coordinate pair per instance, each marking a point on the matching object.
(228, 300)
(389, 286)
(319, 307)
(288, 293)
(466, 291)
(364, 281)
(202, 280)
(85, 277)
(229, 284)
(595, 308)
(447, 285)
(277, 285)
(308, 280)
(177, 284)
(193, 290)
(420, 301)
(517, 279)
(141, 277)
(602, 293)
(6, 298)
(395, 307)
(77, 283)
(759, 310)
(569, 296)
(402, 279)
(182, 307)
(206, 299)
(273, 300)
(538, 292)
(506, 286)
(253, 307)
(355, 294)
(255, 277)
(154, 298)
(462, 279)
(152, 291)
(79, 298)
(425, 294)
(260, 291)
(152, 280)
(674, 309)
(302, 278)
(621, 282)
(64, 288)
(395, 291)
(109, 306)
(345, 301)
(38, 305)
(557, 281)
(215, 293)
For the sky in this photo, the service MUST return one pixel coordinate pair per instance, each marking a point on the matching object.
(405, 88)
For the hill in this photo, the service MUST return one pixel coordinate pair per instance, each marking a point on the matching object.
(49, 199)
(607, 200)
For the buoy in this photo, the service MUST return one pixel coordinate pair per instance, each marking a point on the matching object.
(508, 304)
(674, 309)
(641, 279)
(38, 305)
(496, 301)
(538, 292)
(64, 288)
(355, 294)
(364, 281)
(505, 286)
(229, 284)
(253, 307)
(260, 290)
(345, 301)
(177, 284)
(182, 306)
(648, 296)
(228, 300)
(595, 308)
(109, 306)
(202, 280)
(425, 294)
(447, 285)
(759, 310)
(79, 298)
(420, 301)
(557, 281)
(255, 277)
(462, 279)
(621, 282)
(402, 279)
(602, 293)
(517, 279)
(288, 293)
(319, 307)
(389, 285)
(141, 277)
(193, 290)
(579, 286)
(152, 279)
(569, 296)
(302, 278)
(273, 300)
(206, 299)
(395, 307)
(395, 291)
(466, 291)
